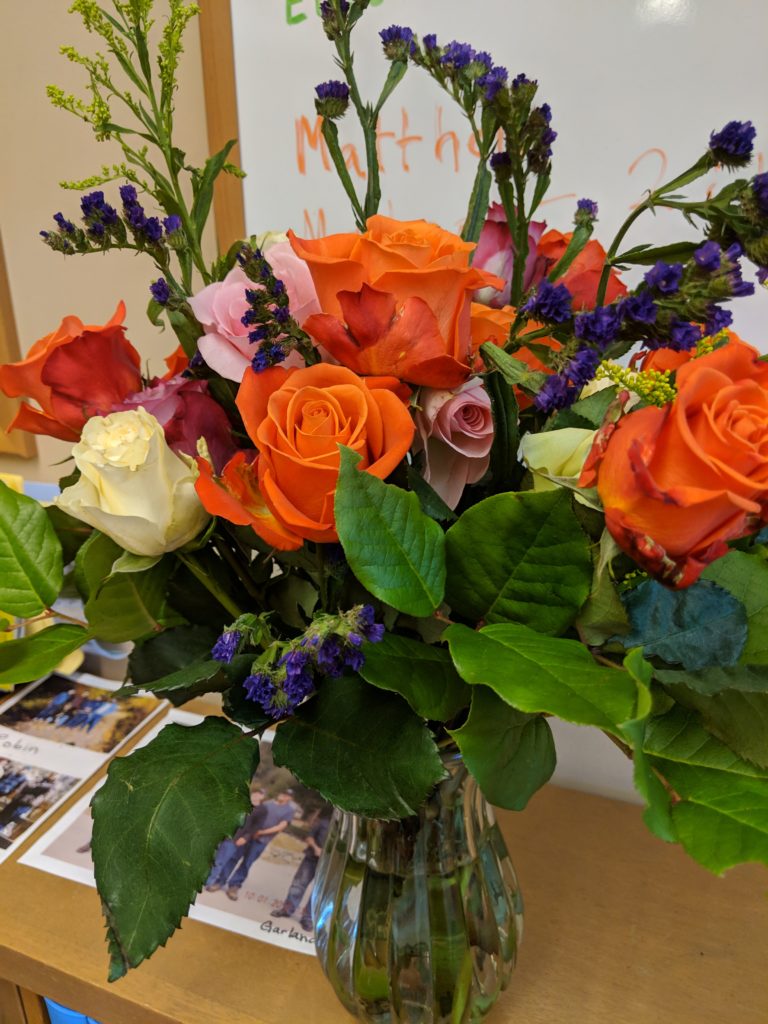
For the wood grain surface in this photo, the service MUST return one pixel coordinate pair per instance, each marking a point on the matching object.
(620, 929)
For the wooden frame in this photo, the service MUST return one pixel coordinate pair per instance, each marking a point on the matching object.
(221, 113)
(17, 443)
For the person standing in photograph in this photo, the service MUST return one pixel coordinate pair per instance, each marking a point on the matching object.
(236, 856)
(305, 874)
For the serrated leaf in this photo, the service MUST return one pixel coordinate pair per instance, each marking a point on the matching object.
(394, 550)
(421, 673)
(745, 577)
(722, 816)
(510, 754)
(362, 748)
(519, 558)
(34, 656)
(157, 822)
(700, 626)
(539, 674)
(31, 565)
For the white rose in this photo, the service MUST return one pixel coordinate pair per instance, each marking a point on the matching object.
(556, 457)
(133, 487)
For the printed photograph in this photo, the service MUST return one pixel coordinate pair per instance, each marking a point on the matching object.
(261, 879)
(26, 794)
(66, 711)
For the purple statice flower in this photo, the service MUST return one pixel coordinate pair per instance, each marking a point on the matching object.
(556, 393)
(492, 82)
(298, 671)
(261, 689)
(128, 195)
(483, 58)
(354, 658)
(600, 326)
(172, 224)
(581, 369)
(733, 144)
(588, 206)
(97, 214)
(683, 336)
(326, 9)
(160, 291)
(760, 191)
(153, 230)
(717, 319)
(640, 307)
(457, 55)
(550, 302)
(226, 646)
(707, 257)
(332, 90)
(665, 277)
(329, 656)
(520, 80)
(398, 42)
(501, 165)
(371, 630)
(430, 41)
(65, 226)
(269, 354)
(738, 286)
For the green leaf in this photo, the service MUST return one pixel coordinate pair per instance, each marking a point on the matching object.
(521, 558)
(178, 687)
(128, 562)
(236, 704)
(722, 816)
(395, 75)
(432, 504)
(539, 674)
(579, 239)
(294, 599)
(421, 673)
(394, 550)
(168, 651)
(510, 754)
(125, 606)
(506, 432)
(603, 615)
(646, 255)
(31, 566)
(72, 533)
(34, 656)
(745, 577)
(157, 822)
(708, 681)
(363, 749)
(696, 627)
(478, 203)
(201, 206)
(513, 370)
(587, 412)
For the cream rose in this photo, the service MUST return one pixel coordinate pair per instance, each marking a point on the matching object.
(132, 486)
(556, 457)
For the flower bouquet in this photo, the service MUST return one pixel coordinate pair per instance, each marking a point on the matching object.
(398, 499)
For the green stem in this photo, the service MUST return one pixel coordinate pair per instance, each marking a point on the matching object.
(210, 584)
(616, 243)
(367, 118)
(521, 239)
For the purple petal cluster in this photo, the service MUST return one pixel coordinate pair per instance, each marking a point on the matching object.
(520, 80)
(332, 90)
(556, 393)
(717, 320)
(226, 646)
(457, 55)
(261, 689)
(98, 215)
(161, 293)
(760, 190)
(147, 230)
(600, 327)
(492, 82)
(65, 226)
(707, 257)
(665, 277)
(640, 307)
(398, 42)
(733, 144)
(550, 302)
(269, 354)
(683, 336)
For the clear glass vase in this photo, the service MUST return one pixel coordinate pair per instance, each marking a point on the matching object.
(418, 921)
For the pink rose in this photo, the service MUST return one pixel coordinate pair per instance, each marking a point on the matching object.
(220, 306)
(454, 429)
(186, 412)
(496, 253)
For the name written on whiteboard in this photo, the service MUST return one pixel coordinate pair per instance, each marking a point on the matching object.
(296, 10)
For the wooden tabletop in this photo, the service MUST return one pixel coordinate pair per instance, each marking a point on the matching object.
(619, 929)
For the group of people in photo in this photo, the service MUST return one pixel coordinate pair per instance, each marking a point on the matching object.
(72, 709)
(25, 793)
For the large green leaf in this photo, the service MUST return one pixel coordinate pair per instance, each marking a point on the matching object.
(722, 816)
(193, 680)
(124, 606)
(519, 558)
(157, 822)
(511, 754)
(539, 674)
(393, 549)
(33, 656)
(700, 626)
(31, 569)
(362, 748)
(422, 673)
(169, 651)
(746, 578)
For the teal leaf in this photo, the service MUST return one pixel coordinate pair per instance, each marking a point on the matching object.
(362, 748)
(36, 655)
(520, 558)
(394, 550)
(157, 822)
(700, 626)
(31, 566)
(421, 673)
(510, 754)
(542, 675)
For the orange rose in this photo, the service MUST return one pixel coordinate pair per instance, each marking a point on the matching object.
(73, 374)
(395, 300)
(493, 325)
(297, 419)
(678, 482)
(583, 276)
(668, 358)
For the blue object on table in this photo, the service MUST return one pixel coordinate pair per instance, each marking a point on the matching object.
(61, 1015)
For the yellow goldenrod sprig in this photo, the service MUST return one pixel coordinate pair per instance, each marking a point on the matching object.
(710, 343)
(655, 386)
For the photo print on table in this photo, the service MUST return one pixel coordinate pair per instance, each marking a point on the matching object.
(27, 794)
(260, 883)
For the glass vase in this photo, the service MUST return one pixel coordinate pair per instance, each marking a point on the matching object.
(418, 921)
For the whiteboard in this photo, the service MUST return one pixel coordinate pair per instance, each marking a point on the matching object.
(636, 87)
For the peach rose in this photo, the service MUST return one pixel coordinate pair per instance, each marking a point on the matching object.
(395, 300)
(677, 483)
(297, 419)
(73, 373)
(583, 276)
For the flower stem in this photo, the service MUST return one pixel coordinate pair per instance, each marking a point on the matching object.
(210, 584)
